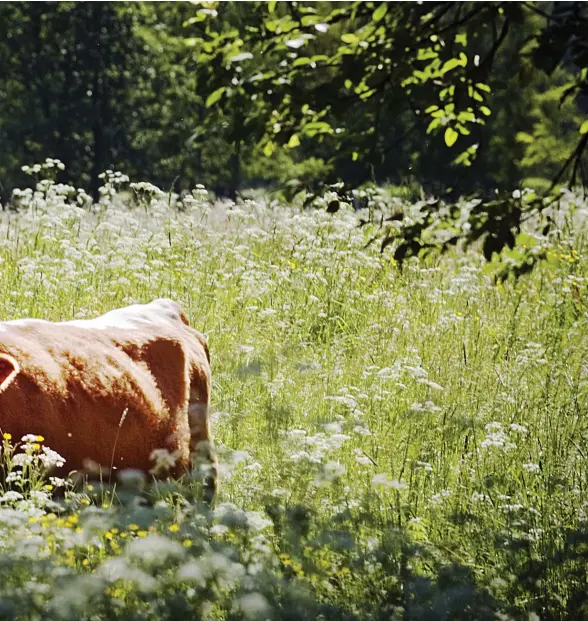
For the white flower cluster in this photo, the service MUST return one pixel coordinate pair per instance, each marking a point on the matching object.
(144, 192)
(314, 449)
(383, 480)
(499, 438)
(113, 181)
(48, 164)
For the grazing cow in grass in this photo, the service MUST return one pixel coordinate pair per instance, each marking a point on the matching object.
(111, 390)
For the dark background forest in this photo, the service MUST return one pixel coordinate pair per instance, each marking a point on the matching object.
(458, 96)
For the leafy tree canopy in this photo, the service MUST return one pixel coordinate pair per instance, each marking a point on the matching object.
(437, 98)
(378, 87)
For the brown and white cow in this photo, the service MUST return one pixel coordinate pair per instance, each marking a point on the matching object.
(111, 390)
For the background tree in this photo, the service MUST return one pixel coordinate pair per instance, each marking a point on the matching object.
(450, 97)
(411, 87)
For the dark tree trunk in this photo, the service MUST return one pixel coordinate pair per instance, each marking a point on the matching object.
(98, 156)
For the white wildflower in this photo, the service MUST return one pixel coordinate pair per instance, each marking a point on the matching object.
(22, 459)
(191, 572)
(530, 467)
(331, 471)
(11, 496)
(253, 606)
(483, 498)
(383, 480)
(155, 550)
(51, 459)
(438, 498)
(30, 438)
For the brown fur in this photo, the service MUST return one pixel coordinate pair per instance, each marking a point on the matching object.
(71, 382)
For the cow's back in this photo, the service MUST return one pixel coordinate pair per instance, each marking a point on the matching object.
(109, 390)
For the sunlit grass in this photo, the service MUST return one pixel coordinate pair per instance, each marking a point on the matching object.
(358, 408)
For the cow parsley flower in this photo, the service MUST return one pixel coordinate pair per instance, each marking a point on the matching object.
(253, 606)
(11, 496)
(51, 459)
(437, 499)
(329, 472)
(31, 438)
(154, 550)
(383, 480)
(496, 437)
(531, 467)
(22, 459)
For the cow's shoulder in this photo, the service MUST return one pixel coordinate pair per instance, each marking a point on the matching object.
(167, 360)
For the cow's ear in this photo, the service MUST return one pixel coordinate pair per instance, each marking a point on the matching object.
(8, 370)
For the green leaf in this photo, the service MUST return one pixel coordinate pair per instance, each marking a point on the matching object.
(317, 127)
(433, 125)
(450, 136)
(452, 64)
(199, 17)
(465, 116)
(303, 60)
(294, 141)
(461, 38)
(269, 148)
(214, 96)
(584, 128)
(486, 111)
(368, 94)
(287, 25)
(379, 13)
(351, 38)
(524, 239)
(426, 54)
(271, 6)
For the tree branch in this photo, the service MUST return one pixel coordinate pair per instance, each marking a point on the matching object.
(574, 157)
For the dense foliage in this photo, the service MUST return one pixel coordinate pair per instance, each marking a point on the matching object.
(393, 444)
(439, 95)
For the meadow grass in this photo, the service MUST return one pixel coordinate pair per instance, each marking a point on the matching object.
(394, 443)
